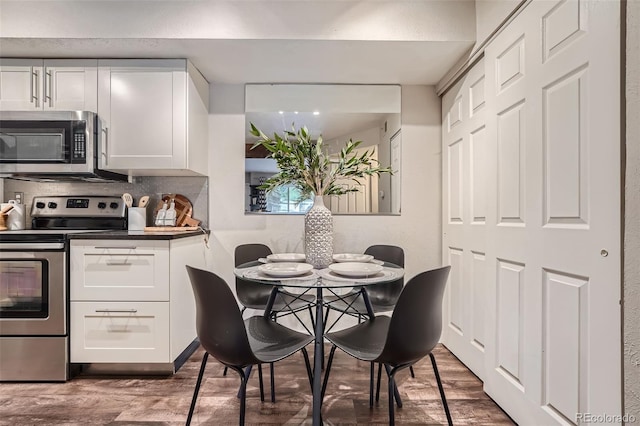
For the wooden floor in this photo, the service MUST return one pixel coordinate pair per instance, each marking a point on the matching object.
(114, 401)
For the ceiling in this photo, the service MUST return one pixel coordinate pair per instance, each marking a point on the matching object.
(268, 61)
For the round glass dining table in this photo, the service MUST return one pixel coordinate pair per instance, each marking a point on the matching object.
(318, 280)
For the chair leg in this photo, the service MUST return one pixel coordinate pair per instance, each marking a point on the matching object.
(444, 399)
(273, 383)
(247, 374)
(392, 387)
(224, 373)
(260, 380)
(197, 389)
(379, 380)
(396, 393)
(242, 392)
(327, 371)
(372, 369)
(413, 374)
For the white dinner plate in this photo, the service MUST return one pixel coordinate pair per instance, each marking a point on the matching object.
(352, 257)
(355, 269)
(285, 269)
(286, 257)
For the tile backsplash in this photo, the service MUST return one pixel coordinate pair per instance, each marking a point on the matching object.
(196, 189)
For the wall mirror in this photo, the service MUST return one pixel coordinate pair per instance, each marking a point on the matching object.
(370, 113)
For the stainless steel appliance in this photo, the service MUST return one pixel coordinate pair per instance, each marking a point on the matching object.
(34, 284)
(52, 145)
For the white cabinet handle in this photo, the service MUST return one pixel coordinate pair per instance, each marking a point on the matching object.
(115, 311)
(117, 263)
(103, 148)
(117, 248)
(34, 86)
(47, 88)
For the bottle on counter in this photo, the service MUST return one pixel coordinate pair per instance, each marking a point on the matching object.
(162, 213)
(170, 215)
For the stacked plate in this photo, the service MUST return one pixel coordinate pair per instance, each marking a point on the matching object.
(352, 257)
(355, 269)
(285, 269)
(286, 257)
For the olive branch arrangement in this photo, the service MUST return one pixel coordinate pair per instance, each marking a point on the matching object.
(305, 164)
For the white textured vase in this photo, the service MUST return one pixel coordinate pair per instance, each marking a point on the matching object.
(318, 235)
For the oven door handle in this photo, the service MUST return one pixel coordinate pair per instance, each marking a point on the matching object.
(31, 246)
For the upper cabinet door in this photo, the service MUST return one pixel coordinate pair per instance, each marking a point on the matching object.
(21, 84)
(142, 106)
(36, 84)
(70, 85)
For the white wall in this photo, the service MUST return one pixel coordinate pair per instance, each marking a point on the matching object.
(417, 230)
(632, 217)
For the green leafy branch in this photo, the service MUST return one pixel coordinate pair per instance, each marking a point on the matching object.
(304, 164)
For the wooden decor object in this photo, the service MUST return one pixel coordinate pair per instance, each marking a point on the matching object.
(183, 207)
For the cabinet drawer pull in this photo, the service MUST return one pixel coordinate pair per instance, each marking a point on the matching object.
(118, 248)
(117, 263)
(116, 311)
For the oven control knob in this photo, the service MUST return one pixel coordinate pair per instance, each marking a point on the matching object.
(102, 205)
(113, 205)
(52, 205)
(40, 205)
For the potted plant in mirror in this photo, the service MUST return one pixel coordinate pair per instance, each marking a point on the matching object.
(306, 164)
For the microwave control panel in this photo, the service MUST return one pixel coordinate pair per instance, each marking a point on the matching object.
(79, 142)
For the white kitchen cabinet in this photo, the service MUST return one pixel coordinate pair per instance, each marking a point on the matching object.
(120, 332)
(117, 270)
(131, 300)
(49, 84)
(154, 117)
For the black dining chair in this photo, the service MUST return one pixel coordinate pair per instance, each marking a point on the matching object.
(399, 341)
(255, 295)
(237, 343)
(383, 296)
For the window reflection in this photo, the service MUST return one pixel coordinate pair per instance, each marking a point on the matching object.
(286, 199)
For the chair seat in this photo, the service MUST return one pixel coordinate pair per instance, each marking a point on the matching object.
(284, 301)
(363, 341)
(271, 342)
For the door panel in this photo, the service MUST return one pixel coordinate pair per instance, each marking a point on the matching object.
(540, 258)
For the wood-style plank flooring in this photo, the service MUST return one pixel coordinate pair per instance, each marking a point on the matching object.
(100, 400)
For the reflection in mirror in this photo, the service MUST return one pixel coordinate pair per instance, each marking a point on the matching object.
(370, 113)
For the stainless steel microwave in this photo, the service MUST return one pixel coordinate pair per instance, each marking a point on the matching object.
(52, 145)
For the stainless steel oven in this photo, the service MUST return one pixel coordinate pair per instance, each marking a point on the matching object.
(33, 319)
(34, 283)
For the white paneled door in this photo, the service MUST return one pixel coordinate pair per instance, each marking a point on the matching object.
(531, 215)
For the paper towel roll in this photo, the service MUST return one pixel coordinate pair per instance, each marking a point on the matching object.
(15, 219)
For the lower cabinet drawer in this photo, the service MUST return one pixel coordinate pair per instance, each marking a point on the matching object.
(119, 332)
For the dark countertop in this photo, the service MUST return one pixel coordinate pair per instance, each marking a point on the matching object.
(134, 235)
